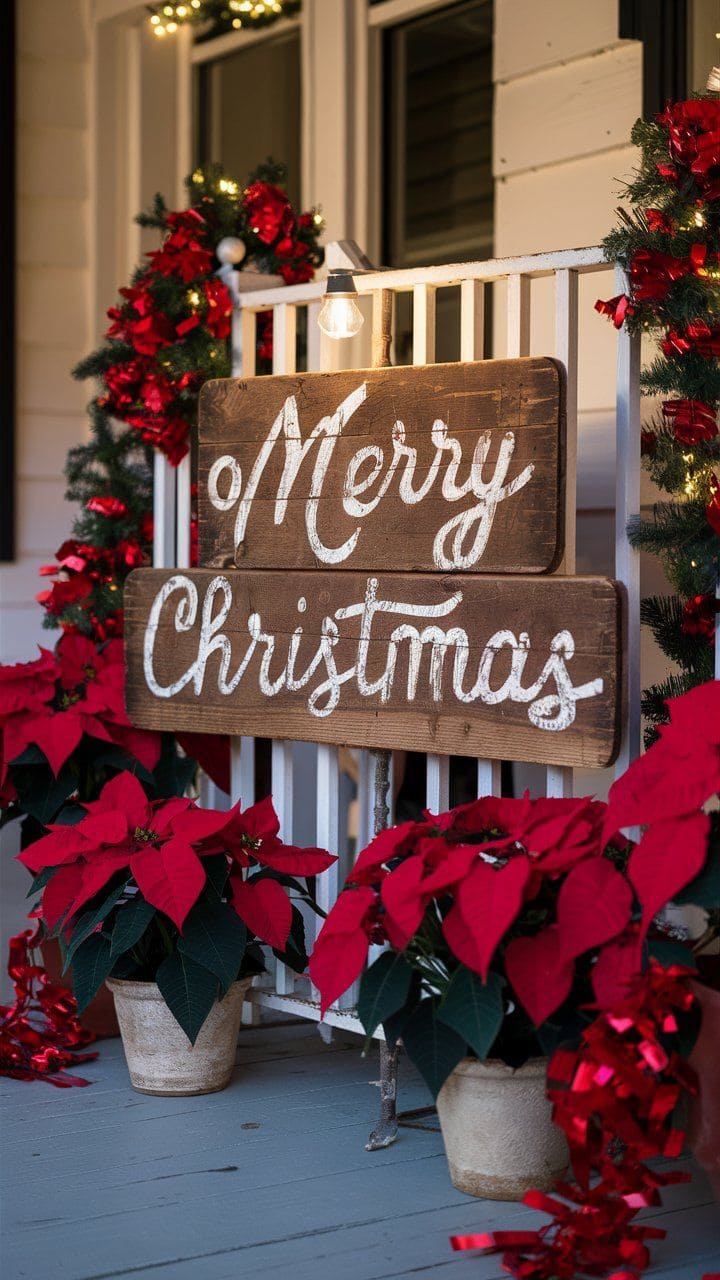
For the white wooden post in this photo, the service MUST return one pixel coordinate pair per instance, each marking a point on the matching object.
(627, 507)
(559, 778)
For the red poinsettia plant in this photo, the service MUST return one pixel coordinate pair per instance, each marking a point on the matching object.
(164, 891)
(508, 923)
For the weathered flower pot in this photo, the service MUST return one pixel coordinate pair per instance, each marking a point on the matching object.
(496, 1124)
(159, 1055)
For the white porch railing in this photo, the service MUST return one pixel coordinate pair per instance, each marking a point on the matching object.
(328, 825)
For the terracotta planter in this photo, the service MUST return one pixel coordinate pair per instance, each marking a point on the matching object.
(704, 1127)
(159, 1055)
(99, 1017)
(497, 1128)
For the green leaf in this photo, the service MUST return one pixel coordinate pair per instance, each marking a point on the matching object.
(214, 936)
(40, 880)
(474, 1009)
(295, 954)
(116, 758)
(432, 1046)
(130, 924)
(42, 796)
(217, 870)
(667, 953)
(91, 966)
(89, 921)
(384, 989)
(189, 991)
(704, 890)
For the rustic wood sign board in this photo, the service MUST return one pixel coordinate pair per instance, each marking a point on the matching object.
(509, 668)
(451, 467)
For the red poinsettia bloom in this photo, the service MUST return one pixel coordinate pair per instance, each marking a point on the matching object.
(85, 695)
(220, 307)
(480, 863)
(269, 212)
(665, 790)
(183, 252)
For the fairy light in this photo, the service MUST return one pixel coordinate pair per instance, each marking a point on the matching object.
(193, 297)
(221, 15)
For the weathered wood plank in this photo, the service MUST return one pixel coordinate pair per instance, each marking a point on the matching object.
(452, 467)
(515, 668)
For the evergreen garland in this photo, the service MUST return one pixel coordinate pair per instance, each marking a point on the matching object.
(668, 241)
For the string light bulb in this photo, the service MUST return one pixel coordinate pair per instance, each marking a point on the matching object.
(340, 315)
(220, 16)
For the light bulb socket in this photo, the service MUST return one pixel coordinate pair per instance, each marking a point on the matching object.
(340, 281)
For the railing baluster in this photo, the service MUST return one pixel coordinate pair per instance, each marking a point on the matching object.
(518, 316)
(472, 320)
(559, 778)
(437, 787)
(164, 504)
(183, 500)
(437, 792)
(472, 340)
(283, 797)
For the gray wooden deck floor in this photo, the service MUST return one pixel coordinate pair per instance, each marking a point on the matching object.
(268, 1179)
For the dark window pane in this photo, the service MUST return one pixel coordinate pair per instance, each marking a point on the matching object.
(438, 136)
(248, 108)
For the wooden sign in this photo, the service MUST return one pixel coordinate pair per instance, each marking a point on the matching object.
(451, 467)
(510, 668)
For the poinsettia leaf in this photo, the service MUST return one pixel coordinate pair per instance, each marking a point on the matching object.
(294, 953)
(171, 877)
(40, 880)
(403, 901)
(667, 952)
(474, 1009)
(214, 937)
(265, 908)
(538, 973)
(485, 906)
(670, 854)
(432, 1046)
(91, 966)
(704, 890)
(341, 948)
(189, 991)
(130, 924)
(217, 870)
(384, 989)
(115, 758)
(89, 920)
(594, 905)
(41, 794)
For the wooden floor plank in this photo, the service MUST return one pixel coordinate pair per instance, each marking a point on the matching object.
(106, 1183)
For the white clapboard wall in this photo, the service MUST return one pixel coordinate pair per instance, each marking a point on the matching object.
(308, 785)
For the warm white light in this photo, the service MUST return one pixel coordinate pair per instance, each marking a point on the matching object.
(340, 316)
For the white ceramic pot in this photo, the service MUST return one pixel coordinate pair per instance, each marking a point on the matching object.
(497, 1128)
(159, 1055)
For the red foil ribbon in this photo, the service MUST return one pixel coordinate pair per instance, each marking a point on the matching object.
(614, 1099)
(40, 1032)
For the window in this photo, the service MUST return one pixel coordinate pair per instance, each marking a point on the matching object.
(248, 108)
(438, 135)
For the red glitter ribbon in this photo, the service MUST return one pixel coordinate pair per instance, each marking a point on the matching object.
(40, 1032)
(614, 1100)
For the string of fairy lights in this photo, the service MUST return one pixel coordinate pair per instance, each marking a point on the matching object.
(219, 16)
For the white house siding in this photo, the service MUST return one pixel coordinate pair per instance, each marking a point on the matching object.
(53, 293)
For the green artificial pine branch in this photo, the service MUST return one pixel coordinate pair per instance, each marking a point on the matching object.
(667, 239)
